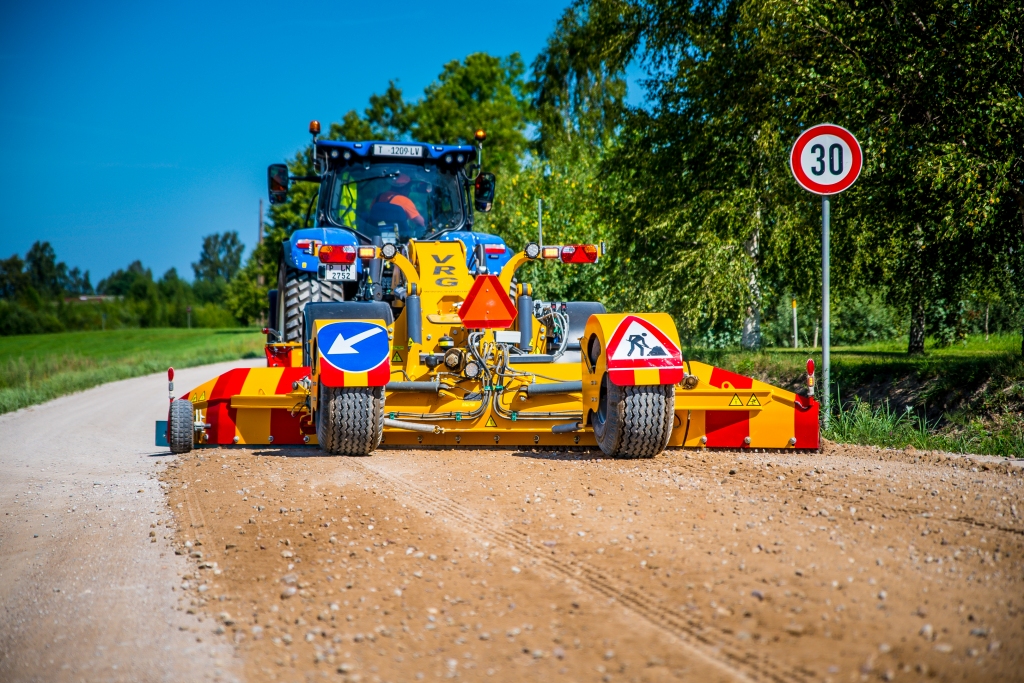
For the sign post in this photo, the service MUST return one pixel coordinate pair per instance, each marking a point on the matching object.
(826, 159)
(826, 306)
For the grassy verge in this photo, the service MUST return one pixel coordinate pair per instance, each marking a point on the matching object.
(39, 367)
(967, 398)
(858, 422)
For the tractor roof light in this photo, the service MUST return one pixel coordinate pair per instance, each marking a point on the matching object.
(337, 254)
(388, 251)
(550, 252)
(532, 250)
(579, 253)
(314, 127)
(367, 253)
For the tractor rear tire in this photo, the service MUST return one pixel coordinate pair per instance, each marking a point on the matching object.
(350, 421)
(634, 422)
(179, 426)
(296, 288)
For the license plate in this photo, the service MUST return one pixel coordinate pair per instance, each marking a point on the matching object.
(397, 151)
(344, 272)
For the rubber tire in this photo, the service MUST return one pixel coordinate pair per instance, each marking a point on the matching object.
(179, 426)
(634, 422)
(350, 421)
(295, 289)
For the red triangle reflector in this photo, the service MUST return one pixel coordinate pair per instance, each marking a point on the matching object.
(487, 305)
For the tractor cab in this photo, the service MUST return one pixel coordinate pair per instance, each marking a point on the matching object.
(389, 193)
(373, 194)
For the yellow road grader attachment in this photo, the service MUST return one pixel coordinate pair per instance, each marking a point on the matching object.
(463, 358)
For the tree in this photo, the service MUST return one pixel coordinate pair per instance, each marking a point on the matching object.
(481, 91)
(578, 86)
(45, 274)
(13, 280)
(122, 281)
(220, 258)
(930, 88)
(219, 262)
(566, 179)
(77, 282)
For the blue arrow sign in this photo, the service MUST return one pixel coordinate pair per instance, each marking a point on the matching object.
(353, 346)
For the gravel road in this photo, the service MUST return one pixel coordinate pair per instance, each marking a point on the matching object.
(85, 593)
(273, 564)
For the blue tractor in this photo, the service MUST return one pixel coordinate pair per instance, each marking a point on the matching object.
(373, 194)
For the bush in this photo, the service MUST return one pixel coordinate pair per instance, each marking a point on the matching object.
(212, 315)
(18, 319)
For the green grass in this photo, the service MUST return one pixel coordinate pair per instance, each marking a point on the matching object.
(39, 367)
(858, 422)
(966, 398)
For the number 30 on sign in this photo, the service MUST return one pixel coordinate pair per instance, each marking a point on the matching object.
(826, 159)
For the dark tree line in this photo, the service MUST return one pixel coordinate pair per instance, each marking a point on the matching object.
(40, 293)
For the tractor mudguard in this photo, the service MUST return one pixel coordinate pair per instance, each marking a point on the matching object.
(301, 259)
(635, 349)
(632, 349)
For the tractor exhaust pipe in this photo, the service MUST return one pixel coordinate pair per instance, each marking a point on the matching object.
(561, 429)
(413, 426)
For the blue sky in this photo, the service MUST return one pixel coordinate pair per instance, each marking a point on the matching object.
(130, 130)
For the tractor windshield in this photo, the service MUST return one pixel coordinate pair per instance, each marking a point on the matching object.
(396, 201)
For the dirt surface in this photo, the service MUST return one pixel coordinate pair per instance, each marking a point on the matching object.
(851, 565)
(87, 573)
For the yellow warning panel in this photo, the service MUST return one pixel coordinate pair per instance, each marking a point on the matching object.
(753, 401)
(491, 422)
(735, 400)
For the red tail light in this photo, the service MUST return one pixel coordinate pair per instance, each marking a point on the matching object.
(579, 253)
(494, 248)
(302, 244)
(810, 366)
(337, 254)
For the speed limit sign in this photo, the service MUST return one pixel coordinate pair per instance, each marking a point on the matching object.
(826, 159)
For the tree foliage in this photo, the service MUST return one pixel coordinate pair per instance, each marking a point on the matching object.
(931, 89)
(41, 294)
